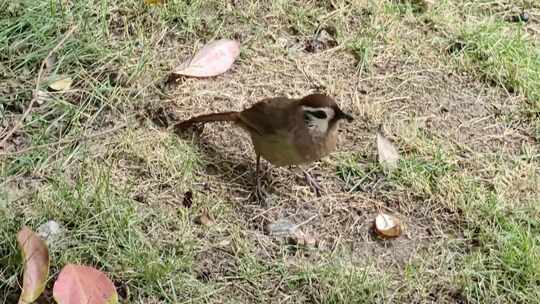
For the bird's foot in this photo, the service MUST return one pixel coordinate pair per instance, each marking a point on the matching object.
(260, 195)
(313, 183)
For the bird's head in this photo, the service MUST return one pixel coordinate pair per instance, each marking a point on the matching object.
(321, 113)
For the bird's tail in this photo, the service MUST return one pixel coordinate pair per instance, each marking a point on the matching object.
(224, 116)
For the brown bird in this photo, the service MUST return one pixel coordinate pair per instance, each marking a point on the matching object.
(286, 131)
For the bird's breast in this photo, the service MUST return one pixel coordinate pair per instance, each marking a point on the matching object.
(285, 149)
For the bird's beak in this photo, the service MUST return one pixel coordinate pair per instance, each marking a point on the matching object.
(342, 115)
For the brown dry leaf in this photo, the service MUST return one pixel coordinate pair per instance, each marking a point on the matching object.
(61, 84)
(36, 265)
(387, 226)
(388, 153)
(204, 219)
(213, 59)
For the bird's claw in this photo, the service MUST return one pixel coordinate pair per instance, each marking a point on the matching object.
(260, 194)
(313, 183)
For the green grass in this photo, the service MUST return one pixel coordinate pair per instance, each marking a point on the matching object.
(340, 283)
(362, 48)
(468, 199)
(107, 229)
(504, 260)
(505, 56)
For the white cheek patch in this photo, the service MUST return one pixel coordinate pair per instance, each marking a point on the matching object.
(318, 125)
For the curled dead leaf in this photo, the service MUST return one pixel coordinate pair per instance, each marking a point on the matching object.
(213, 59)
(204, 219)
(388, 153)
(36, 264)
(387, 226)
(61, 84)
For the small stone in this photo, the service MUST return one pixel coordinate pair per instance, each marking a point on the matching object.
(524, 17)
(281, 227)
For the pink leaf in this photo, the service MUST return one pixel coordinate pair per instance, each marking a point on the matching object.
(36, 264)
(213, 59)
(78, 284)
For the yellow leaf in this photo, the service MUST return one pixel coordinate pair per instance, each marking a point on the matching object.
(388, 153)
(61, 84)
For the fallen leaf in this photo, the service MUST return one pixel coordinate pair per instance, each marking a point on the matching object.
(61, 84)
(388, 153)
(36, 265)
(213, 59)
(204, 219)
(387, 226)
(151, 2)
(83, 284)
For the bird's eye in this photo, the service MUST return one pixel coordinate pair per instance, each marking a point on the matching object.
(318, 114)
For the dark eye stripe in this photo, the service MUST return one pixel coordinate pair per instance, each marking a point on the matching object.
(318, 114)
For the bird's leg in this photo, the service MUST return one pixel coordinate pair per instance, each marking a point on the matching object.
(260, 194)
(257, 172)
(312, 183)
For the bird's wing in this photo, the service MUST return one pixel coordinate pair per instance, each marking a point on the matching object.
(269, 116)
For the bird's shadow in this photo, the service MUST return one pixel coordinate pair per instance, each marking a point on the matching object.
(237, 171)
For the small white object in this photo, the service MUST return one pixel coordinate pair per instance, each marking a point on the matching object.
(282, 227)
(387, 226)
(50, 232)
